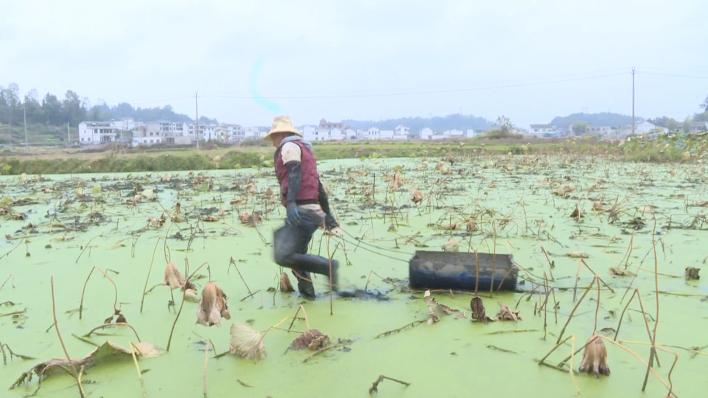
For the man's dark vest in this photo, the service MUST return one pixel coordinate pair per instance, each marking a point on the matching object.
(309, 185)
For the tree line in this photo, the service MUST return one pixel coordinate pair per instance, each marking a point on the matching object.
(73, 109)
(685, 125)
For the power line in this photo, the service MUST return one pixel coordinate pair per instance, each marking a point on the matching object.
(423, 92)
(638, 71)
(681, 75)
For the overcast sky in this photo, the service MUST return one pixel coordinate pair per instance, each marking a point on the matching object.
(249, 60)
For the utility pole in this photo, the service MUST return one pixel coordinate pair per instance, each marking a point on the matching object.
(68, 139)
(634, 125)
(24, 117)
(196, 116)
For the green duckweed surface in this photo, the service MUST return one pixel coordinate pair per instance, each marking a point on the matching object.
(516, 205)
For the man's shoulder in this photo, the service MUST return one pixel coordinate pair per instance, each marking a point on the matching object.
(290, 145)
(290, 151)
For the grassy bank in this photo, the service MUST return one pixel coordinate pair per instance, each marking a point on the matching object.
(36, 134)
(671, 148)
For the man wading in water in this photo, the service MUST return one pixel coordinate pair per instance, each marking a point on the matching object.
(307, 207)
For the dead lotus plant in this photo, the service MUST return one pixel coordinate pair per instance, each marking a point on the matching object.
(595, 357)
(416, 196)
(619, 271)
(692, 273)
(437, 310)
(106, 352)
(247, 342)
(452, 245)
(284, 283)
(117, 317)
(471, 225)
(478, 311)
(564, 191)
(212, 306)
(174, 279)
(506, 314)
(395, 181)
(251, 219)
(311, 339)
(598, 206)
(176, 215)
(156, 222)
(269, 195)
(577, 214)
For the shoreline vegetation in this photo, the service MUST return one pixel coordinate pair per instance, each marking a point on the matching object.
(667, 148)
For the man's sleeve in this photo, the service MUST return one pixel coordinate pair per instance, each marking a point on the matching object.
(290, 152)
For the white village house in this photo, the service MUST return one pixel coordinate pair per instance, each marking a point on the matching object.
(401, 133)
(230, 133)
(145, 136)
(99, 133)
(386, 135)
(546, 130)
(254, 132)
(426, 133)
(373, 133)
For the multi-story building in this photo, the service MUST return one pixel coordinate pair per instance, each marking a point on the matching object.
(146, 135)
(229, 133)
(100, 133)
(254, 132)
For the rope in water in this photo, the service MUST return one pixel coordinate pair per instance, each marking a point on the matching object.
(362, 241)
(363, 247)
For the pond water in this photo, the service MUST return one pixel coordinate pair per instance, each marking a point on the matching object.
(514, 205)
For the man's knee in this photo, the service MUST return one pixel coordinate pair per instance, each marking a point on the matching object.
(284, 246)
(282, 256)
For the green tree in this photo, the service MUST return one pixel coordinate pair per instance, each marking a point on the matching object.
(667, 122)
(51, 109)
(99, 113)
(504, 124)
(579, 128)
(122, 110)
(33, 108)
(703, 116)
(686, 125)
(72, 108)
(10, 106)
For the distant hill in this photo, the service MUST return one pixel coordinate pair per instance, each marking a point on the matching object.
(593, 119)
(454, 121)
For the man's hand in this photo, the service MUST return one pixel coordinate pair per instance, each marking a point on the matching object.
(336, 231)
(332, 227)
(293, 214)
(330, 222)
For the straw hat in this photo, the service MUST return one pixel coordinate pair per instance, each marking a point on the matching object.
(282, 124)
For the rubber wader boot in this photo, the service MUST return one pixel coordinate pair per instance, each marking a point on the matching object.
(304, 284)
(314, 264)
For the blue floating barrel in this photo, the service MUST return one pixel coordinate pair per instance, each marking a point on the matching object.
(459, 271)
